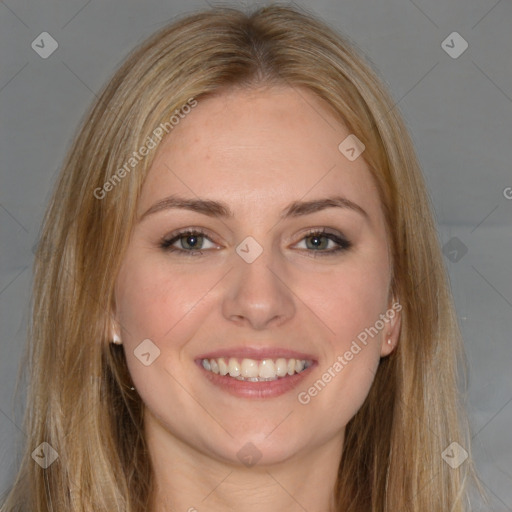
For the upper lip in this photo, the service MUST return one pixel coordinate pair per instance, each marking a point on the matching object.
(257, 353)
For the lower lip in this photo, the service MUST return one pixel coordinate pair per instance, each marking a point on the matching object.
(247, 389)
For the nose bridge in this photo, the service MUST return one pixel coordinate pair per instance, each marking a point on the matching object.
(257, 293)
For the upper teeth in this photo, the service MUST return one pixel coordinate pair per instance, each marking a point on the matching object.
(254, 370)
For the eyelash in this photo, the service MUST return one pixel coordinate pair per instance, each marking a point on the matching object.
(166, 244)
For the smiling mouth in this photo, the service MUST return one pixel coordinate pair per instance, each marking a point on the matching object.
(256, 370)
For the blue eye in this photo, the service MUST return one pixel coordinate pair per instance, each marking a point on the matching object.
(317, 242)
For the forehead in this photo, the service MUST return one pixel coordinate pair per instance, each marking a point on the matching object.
(258, 150)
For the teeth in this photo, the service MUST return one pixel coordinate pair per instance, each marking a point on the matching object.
(281, 367)
(267, 369)
(214, 366)
(223, 367)
(249, 368)
(233, 367)
(253, 370)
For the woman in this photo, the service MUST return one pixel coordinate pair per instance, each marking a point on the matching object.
(239, 295)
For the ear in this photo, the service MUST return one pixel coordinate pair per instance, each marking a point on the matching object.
(391, 333)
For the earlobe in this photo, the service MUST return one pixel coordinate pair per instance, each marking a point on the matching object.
(390, 340)
(116, 340)
(388, 345)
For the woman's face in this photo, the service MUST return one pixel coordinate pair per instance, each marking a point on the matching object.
(256, 173)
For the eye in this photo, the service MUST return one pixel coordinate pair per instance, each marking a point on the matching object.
(191, 242)
(324, 242)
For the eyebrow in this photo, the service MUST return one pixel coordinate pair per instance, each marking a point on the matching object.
(220, 209)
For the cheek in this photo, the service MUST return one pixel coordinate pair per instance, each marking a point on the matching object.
(151, 301)
(348, 300)
(153, 304)
(351, 356)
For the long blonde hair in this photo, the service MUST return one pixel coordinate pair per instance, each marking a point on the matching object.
(79, 397)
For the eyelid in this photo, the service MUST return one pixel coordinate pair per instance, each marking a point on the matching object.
(323, 231)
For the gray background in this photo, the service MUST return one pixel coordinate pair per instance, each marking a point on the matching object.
(459, 111)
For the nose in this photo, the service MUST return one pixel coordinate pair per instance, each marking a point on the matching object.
(258, 294)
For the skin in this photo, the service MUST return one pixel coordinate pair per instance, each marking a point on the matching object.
(257, 151)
